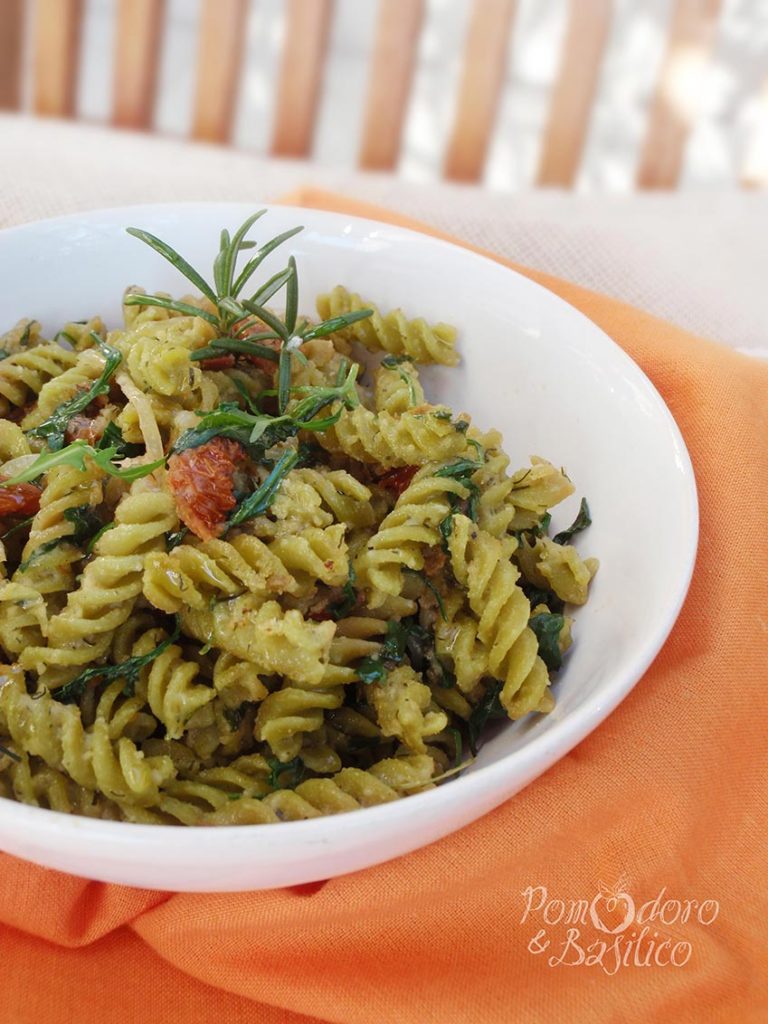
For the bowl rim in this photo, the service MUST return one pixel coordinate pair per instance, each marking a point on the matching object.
(539, 752)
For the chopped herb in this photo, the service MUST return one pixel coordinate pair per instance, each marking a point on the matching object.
(55, 427)
(10, 753)
(488, 708)
(75, 455)
(431, 587)
(85, 522)
(403, 638)
(396, 363)
(234, 716)
(278, 768)
(113, 438)
(547, 628)
(127, 670)
(258, 502)
(581, 522)
(176, 538)
(17, 528)
(41, 550)
(370, 670)
(98, 535)
(540, 595)
(446, 529)
(340, 609)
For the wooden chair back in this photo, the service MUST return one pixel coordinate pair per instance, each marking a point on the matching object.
(56, 31)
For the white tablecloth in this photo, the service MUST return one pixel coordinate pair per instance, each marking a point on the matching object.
(698, 259)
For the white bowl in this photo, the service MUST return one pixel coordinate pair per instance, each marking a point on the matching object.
(533, 366)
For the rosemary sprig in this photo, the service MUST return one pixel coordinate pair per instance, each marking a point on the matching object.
(235, 315)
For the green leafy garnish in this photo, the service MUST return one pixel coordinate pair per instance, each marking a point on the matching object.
(547, 628)
(113, 438)
(403, 637)
(75, 455)
(85, 522)
(256, 504)
(581, 522)
(127, 670)
(54, 428)
(396, 363)
(277, 769)
(488, 709)
(258, 432)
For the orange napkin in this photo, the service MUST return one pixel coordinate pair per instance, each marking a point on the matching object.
(666, 799)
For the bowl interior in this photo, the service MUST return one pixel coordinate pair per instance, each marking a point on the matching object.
(532, 366)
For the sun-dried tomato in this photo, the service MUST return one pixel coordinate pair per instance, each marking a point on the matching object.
(398, 479)
(202, 482)
(222, 362)
(19, 499)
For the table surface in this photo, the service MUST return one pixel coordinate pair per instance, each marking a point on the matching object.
(697, 259)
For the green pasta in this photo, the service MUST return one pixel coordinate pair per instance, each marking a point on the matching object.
(250, 573)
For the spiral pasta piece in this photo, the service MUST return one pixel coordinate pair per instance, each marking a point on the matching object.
(393, 332)
(345, 497)
(410, 528)
(481, 563)
(158, 354)
(23, 335)
(273, 639)
(557, 567)
(171, 684)
(81, 633)
(314, 555)
(413, 438)
(403, 709)
(23, 374)
(286, 715)
(190, 576)
(46, 575)
(44, 728)
(397, 389)
(65, 386)
(30, 781)
(519, 501)
(13, 441)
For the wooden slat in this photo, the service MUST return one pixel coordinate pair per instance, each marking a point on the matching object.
(138, 32)
(485, 59)
(574, 92)
(219, 60)
(691, 36)
(11, 41)
(57, 49)
(389, 85)
(301, 71)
